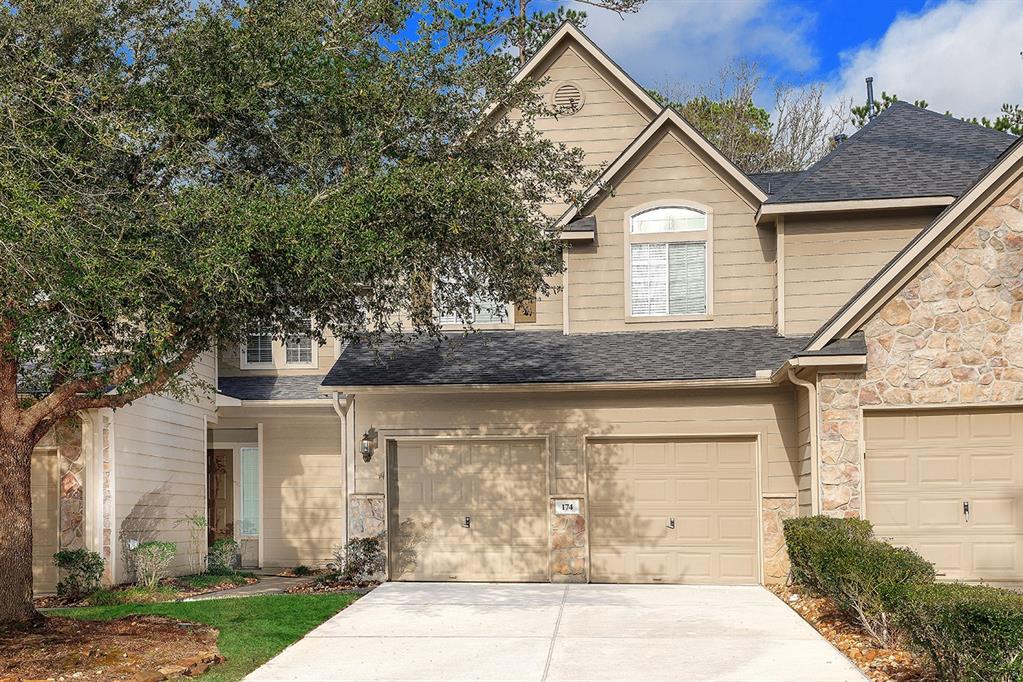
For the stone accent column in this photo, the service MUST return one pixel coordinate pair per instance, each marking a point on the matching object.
(568, 544)
(68, 437)
(367, 514)
(774, 510)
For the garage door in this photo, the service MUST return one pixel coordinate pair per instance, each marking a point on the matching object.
(950, 484)
(469, 510)
(673, 511)
(45, 516)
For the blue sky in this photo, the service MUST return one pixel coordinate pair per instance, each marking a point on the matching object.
(959, 55)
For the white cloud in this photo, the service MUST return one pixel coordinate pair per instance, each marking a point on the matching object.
(962, 57)
(678, 40)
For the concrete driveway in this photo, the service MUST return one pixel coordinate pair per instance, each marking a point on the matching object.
(472, 631)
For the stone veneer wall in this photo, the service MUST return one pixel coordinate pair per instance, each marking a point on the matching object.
(568, 544)
(953, 335)
(774, 510)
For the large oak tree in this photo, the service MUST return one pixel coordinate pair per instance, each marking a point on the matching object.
(171, 173)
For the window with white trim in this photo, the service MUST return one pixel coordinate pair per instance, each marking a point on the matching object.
(298, 348)
(668, 262)
(249, 461)
(259, 345)
(481, 311)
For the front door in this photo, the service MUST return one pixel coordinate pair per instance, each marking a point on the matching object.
(219, 477)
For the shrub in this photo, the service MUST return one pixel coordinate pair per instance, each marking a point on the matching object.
(82, 571)
(971, 633)
(222, 557)
(197, 531)
(866, 578)
(301, 570)
(358, 561)
(151, 561)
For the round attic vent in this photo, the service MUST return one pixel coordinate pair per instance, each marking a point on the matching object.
(568, 98)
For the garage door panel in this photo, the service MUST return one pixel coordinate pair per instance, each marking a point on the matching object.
(708, 486)
(500, 485)
(950, 456)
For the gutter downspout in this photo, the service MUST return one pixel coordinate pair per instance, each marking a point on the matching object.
(340, 402)
(811, 396)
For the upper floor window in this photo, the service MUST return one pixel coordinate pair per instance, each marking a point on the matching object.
(482, 311)
(259, 345)
(668, 262)
(298, 348)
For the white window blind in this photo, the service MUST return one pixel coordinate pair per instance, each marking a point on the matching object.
(483, 311)
(250, 491)
(669, 278)
(258, 346)
(298, 349)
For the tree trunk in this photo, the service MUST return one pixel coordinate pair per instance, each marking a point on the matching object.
(16, 530)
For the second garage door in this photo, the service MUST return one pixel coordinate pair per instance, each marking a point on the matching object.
(673, 511)
(473, 510)
(948, 483)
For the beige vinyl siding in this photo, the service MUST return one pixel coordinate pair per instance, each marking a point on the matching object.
(804, 461)
(160, 469)
(549, 309)
(827, 260)
(303, 482)
(45, 518)
(742, 262)
(566, 418)
(607, 121)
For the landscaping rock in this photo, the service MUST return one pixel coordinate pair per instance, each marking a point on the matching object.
(149, 676)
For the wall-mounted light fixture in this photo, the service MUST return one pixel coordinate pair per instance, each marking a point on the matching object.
(369, 441)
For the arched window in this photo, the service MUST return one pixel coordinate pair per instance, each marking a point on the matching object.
(668, 262)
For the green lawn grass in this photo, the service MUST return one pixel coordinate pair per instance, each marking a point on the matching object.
(252, 629)
(204, 581)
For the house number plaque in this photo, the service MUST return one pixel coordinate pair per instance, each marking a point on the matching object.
(566, 506)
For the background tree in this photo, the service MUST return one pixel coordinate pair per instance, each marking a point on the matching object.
(1010, 120)
(797, 133)
(526, 24)
(173, 172)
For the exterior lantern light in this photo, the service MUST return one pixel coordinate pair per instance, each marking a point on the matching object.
(368, 443)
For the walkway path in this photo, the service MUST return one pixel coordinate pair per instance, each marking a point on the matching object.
(268, 584)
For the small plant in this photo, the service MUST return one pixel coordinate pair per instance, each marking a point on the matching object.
(971, 633)
(301, 570)
(82, 572)
(359, 561)
(222, 557)
(198, 528)
(151, 561)
(132, 595)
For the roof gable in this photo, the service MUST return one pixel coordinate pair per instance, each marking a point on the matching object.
(669, 119)
(922, 248)
(904, 152)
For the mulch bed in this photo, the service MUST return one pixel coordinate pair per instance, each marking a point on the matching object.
(877, 663)
(182, 591)
(323, 586)
(132, 648)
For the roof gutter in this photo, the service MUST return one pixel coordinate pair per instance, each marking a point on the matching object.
(818, 361)
(803, 207)
(750, 382)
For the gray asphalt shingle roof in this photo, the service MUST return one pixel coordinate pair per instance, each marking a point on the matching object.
(774, 182)
(553, 357)
(271, 387)
(905, 151)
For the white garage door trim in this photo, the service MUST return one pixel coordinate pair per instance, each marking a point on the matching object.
(391, 441)
(755, 436)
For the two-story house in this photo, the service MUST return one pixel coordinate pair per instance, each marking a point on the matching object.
(722, 351)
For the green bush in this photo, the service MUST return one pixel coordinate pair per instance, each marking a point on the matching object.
(866, 578)
(359, 561)
(301, 570)
(811, 540)
(82, 572)
(151, 561)
(222, 557)
(971, 633)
